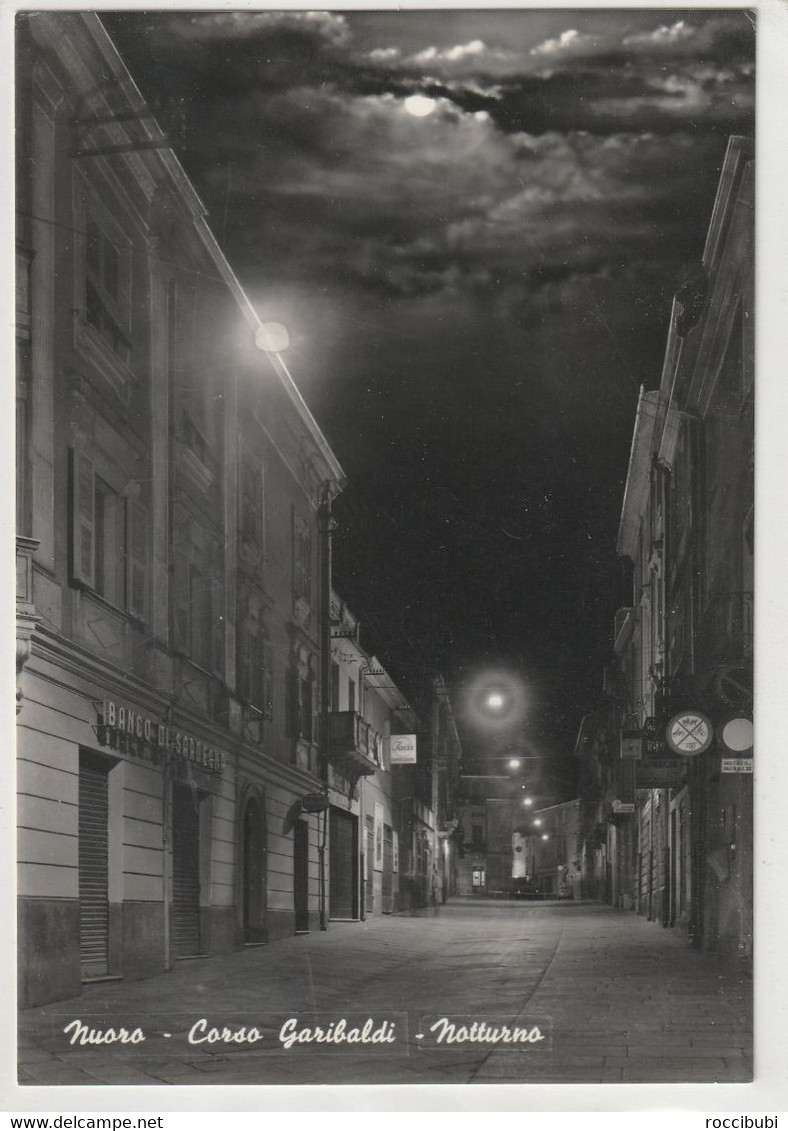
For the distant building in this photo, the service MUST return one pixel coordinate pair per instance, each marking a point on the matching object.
(500, 824)
(172, 517)
(472, 857)
(371, 728)
(552, 843)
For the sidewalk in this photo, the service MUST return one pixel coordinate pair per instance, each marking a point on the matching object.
(623, 1000)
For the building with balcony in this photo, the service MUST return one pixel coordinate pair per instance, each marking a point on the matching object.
(172, 496)
(685, 649)
(372, 728)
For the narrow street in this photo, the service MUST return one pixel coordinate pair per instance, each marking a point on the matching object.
(615, 998)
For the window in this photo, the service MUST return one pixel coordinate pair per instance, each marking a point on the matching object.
(305, 709)
(351, 695)
(201, 618)
(334, 686)
(254, 679)
(198, 607)
(302, 561)
(194, 439)
(106, 300)
(251, 501)
(109, 542)
(109, 538)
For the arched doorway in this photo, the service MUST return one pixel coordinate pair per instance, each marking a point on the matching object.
(254, 891)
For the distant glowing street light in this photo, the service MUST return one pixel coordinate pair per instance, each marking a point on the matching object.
(545, 836)
(495, 701)
(272, 337)
(538, 822)
(514, 764)
(528, 801)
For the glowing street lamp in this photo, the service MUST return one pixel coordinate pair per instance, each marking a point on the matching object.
(528, 801)
(545, 836)
(272, 337)
(538, 822)
(514, 764)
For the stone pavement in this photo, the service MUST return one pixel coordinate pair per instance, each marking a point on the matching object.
(615, 999)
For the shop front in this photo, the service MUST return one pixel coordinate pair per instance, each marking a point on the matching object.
(121, 803)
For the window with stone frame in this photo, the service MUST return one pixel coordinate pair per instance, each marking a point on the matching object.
(250, 496)
(198, 598)
(254, 661)
(306, 708)
(302, 560)
(106, 284)
(110, 537)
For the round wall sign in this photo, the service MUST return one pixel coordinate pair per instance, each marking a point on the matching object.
(689, 733)
(736, 735)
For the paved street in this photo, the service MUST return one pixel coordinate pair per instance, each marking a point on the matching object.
(612, 997)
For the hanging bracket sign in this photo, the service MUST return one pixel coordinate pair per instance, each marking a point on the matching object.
(402, 749)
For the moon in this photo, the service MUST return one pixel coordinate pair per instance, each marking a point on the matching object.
(419, 105)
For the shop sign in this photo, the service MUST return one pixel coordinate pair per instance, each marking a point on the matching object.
(131, 732)
(659, 773)
(402, 749)
(737, 765)
(689, 733)
(632, 744)
(623, 807)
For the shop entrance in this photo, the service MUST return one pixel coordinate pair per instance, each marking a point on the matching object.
(343, 859)
(185, 871)
(388, 870)
(93, 865)
(254, 873)
(301, 876)
(369, 887)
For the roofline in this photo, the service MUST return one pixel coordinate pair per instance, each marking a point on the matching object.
(167, 158)
(636, 489)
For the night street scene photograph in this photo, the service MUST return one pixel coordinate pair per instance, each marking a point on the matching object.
(385, 546)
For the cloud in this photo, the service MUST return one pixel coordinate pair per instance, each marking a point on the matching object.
(384, 54)
(450, 54)
(228, 26)
(663, 36)
(569, 42)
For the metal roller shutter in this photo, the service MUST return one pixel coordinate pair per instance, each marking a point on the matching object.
(344, 866)
(185, 873)
(93, 867)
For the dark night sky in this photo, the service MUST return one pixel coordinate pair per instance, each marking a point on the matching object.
(473, 296)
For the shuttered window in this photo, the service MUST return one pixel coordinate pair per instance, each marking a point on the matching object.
(110, 539)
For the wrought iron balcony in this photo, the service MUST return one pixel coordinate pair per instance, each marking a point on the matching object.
(353, 743)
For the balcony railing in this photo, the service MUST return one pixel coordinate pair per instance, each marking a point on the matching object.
(353, 742)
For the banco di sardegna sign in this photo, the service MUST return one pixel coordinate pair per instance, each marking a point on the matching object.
(134, 733)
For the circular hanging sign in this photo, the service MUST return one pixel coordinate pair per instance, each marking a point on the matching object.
(689, 733)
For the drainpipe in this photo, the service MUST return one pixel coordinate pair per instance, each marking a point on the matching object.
(325, 526)
(166, 826)
(436, 862)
